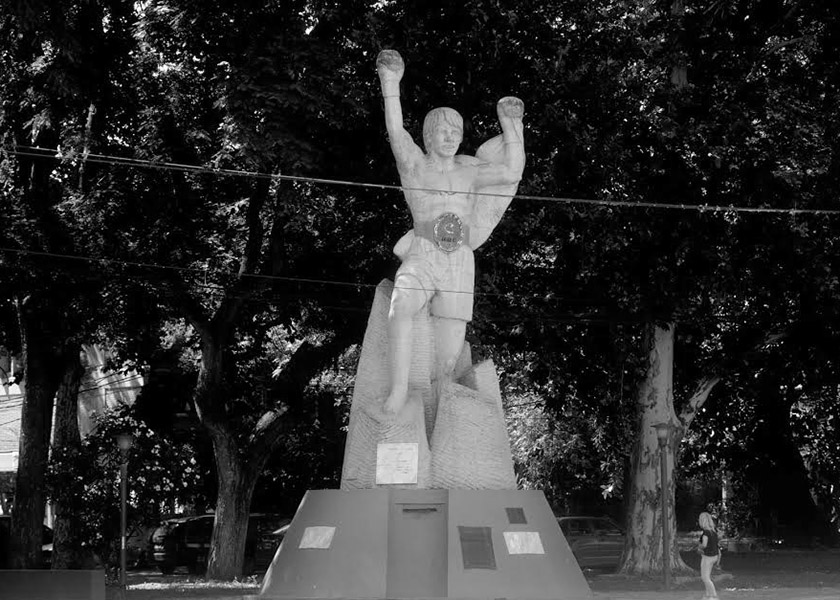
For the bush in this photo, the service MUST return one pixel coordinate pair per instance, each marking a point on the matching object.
(86, 481)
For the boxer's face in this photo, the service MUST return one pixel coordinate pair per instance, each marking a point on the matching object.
(443, 132)
(445, 140)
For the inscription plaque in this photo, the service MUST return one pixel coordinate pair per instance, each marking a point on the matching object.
(396, 463)
(523, 542)
(317, 537)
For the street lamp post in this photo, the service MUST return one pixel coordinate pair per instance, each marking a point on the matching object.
(663, 435)
(124, 441)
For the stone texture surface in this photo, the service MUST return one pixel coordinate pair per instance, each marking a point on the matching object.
(368, 426)
(470, 445)
(462, 438)
(371, 428)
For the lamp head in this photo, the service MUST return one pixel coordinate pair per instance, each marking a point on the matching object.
(663, 432)
(125, 441)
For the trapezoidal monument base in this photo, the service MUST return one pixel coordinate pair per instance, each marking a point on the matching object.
(404, 543)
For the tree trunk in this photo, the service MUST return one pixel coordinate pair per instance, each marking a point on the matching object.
(68, 551)
(643, 548)
(233, 506)
(237, 468)
(41, 383)
(240, 456)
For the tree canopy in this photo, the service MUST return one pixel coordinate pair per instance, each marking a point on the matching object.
(182, 180)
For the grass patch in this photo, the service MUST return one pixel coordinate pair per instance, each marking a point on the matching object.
(173, 587)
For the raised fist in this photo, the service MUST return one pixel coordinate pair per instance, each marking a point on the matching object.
(510, 107)
(390, 65)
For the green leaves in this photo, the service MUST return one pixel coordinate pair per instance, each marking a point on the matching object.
(289, 88)
(86, 480)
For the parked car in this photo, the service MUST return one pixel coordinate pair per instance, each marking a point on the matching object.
(182, 541)
(185, 541)
(596, 542)
(138, 546)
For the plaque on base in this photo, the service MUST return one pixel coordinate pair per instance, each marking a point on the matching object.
(397, 463)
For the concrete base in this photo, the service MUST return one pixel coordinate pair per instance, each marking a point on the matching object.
(398, 543)
(44, 584)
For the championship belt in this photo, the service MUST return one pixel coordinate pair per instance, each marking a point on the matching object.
(448, 232)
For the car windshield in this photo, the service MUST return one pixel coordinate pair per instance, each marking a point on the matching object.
(605, 526)
(576, 526)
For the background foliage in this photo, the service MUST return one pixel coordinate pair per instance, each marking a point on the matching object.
(244, 295)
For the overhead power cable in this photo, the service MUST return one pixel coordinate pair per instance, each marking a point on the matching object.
(109, 385)
(199, 271)
(568, 317)
(55, 153)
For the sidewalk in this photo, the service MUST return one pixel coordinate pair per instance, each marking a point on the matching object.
(682, 594)
(725, 594)
(729, 588)
(771, 576)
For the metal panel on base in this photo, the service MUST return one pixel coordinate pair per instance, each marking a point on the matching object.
(396, 543)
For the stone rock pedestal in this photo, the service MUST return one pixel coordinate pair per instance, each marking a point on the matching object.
(404, 543)
(459, 426)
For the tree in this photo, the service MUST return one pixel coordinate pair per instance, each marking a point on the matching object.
(763, 432)
(38, 103)
(68, 552)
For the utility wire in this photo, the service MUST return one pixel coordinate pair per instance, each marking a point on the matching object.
(108, 384)
(88, 389)
(55, 153)
(50, 153)
(569, 317)
(199, 271)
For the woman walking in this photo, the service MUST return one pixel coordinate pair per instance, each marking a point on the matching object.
(709, 553)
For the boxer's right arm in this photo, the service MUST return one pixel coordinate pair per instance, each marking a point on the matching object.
(390, 66)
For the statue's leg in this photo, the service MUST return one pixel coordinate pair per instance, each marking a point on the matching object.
(452, 309)
(449, 341)
(407, 299)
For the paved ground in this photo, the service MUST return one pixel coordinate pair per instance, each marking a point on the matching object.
(784, 575)
(725, 594)
(771, 575)
(687, 591)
